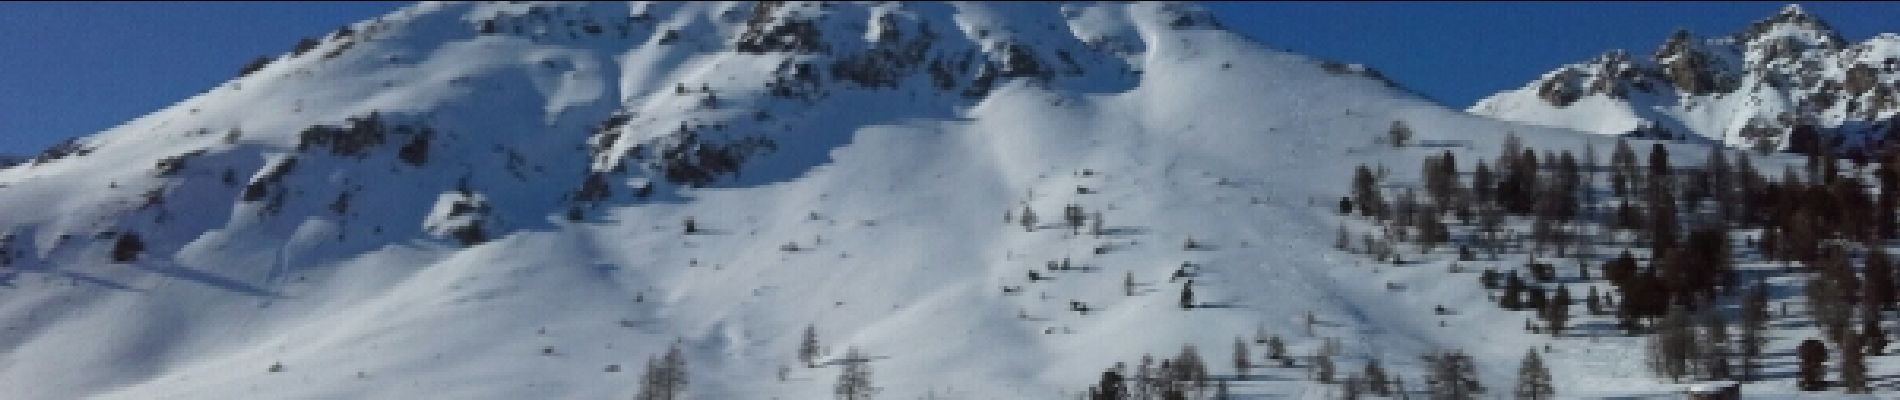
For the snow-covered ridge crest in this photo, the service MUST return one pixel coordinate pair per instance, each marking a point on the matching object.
(1787, 82)
(524, 200)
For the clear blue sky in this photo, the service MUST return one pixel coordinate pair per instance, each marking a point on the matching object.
(72, 68)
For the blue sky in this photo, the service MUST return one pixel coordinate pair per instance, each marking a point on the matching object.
(74, 68)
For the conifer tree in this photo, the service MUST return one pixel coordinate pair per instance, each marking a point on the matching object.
(1128, 283)
(808, 346)
(127, 248)
(1376, 381)
(1557, 311)
(1452, 376)
(1323, 366)
(1622, 169)
(665, 378)
(1242, 362)
(1812, 372)
(1365, 189)
(1754, 328)
(1853, 365)
(1533, 379)
(1674, 345)
(1400, 134)
(1276, 349)
(1187, 295)
(1879, 283)
(854, 382)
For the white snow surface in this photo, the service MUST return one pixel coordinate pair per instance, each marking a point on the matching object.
(894, 199)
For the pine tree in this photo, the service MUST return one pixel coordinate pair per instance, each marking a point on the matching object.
(1659, 179)
(1187, 295)
(665, 378)
(1813, 357)
(1754, 328)
(1879, 279)
(808, 346)
(1028, 219)
(1276, 349)
(1514, 288)
(1674, 345)
(854, 382)
(1622, 169)
(1111, 387)
(1872, 337)
(1400, 134)
(1365, 189)
(1441, 179)
(1344, 241)
(1533, 379)
(1376, 380)
(1593, 303)
(1323, 366)
(127, 248)
(1075, 217)
(1853, 365)
(1714, 346)
(1189, 372)
(1128, 283)
(1242, 362)
(1830, 294)
(1483, 183)
(1453, 376)
(1557, 311)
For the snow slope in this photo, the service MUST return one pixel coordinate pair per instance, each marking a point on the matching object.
(867, 201)
(1750, 89)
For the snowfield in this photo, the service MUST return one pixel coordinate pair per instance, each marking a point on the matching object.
(877, 214)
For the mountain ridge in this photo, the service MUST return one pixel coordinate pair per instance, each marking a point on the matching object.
(431, 205)
(1786, 82)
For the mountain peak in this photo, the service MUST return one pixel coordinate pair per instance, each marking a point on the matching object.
(1786, 70)
(1793, 9)
(1795, 23)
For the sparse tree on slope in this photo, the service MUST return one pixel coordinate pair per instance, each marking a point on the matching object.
(665, 378)
(808, 346)
(854, 383)
(1453, 376)
(1533, 379)
(1242, 361)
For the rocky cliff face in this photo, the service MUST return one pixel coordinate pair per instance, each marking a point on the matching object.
(1766, 87)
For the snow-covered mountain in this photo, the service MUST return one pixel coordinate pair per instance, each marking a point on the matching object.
(1785, 82)
(492, 201)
